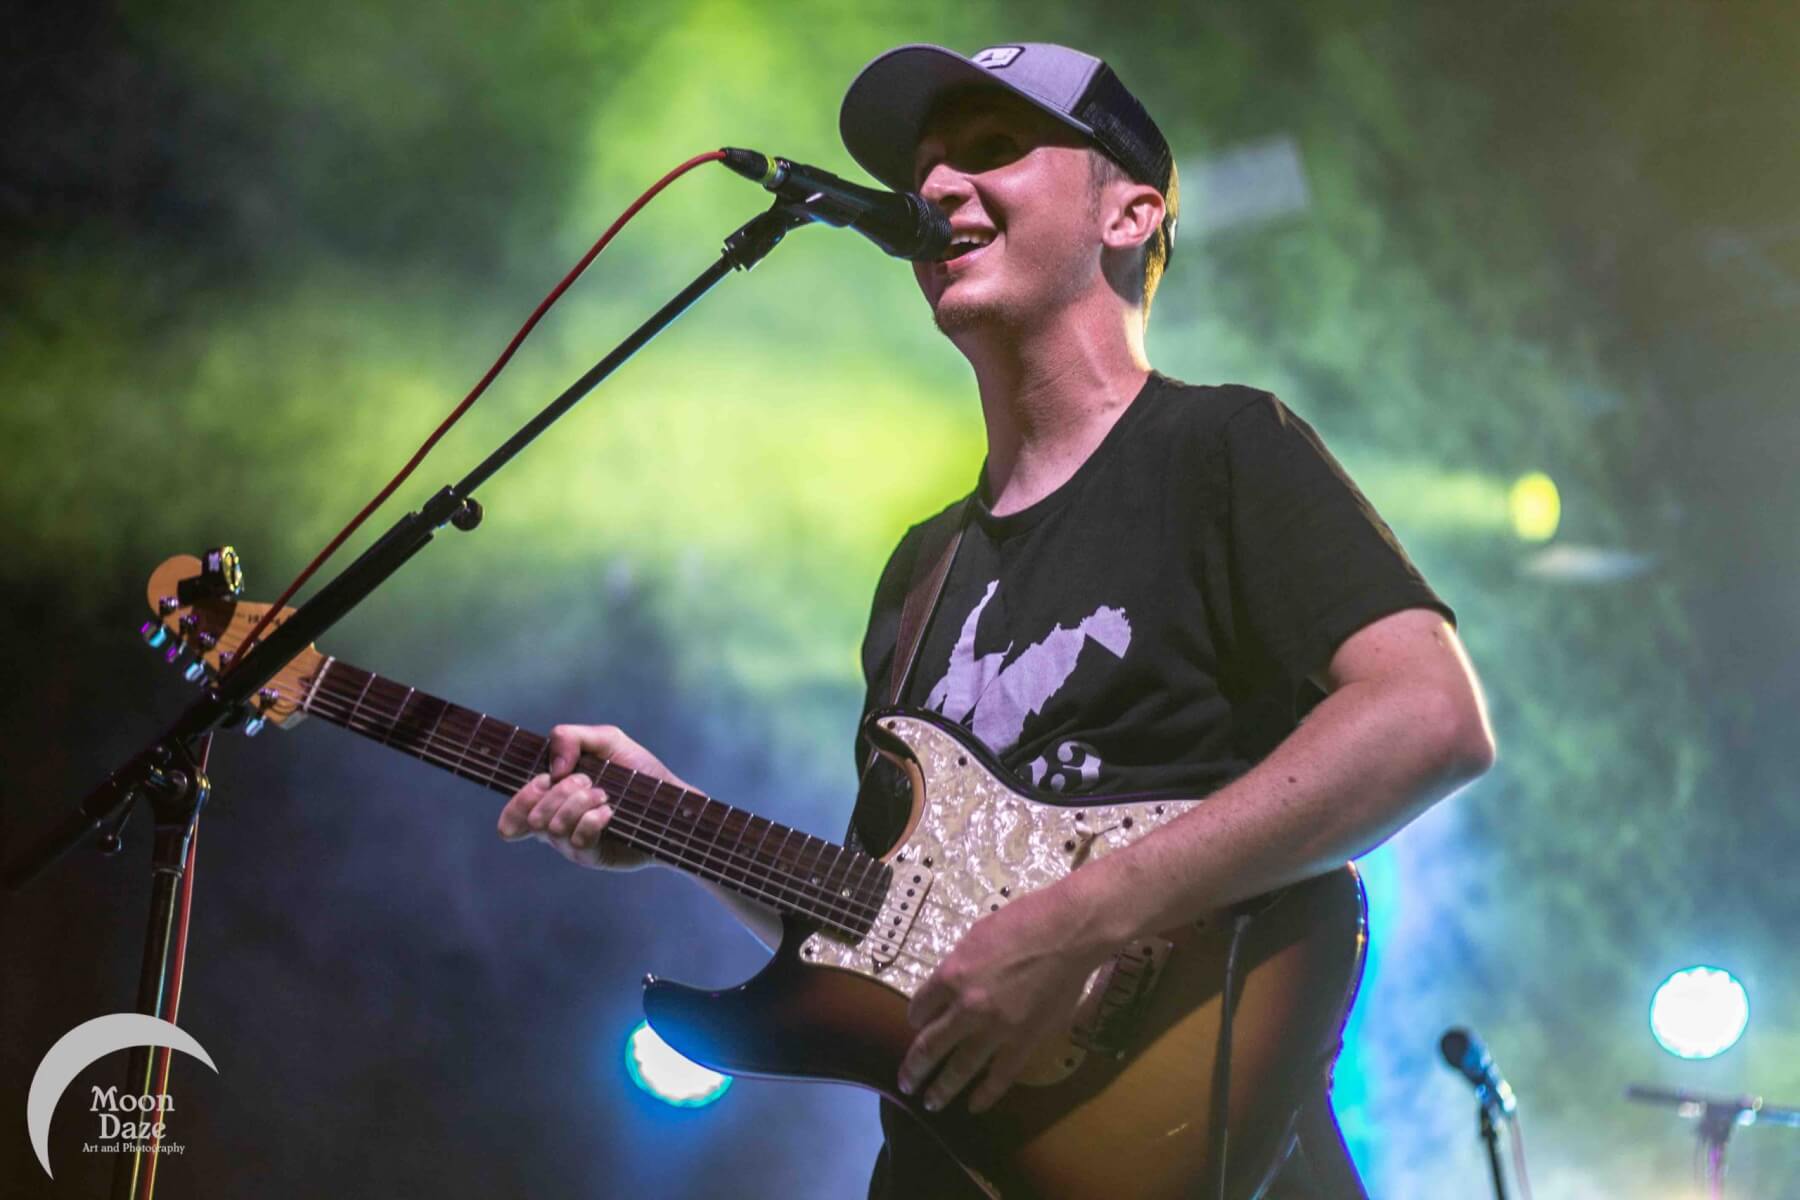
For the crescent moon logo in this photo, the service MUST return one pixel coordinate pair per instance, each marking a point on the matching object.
(80, 1047)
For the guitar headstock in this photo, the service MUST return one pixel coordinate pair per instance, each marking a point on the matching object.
(206, 631)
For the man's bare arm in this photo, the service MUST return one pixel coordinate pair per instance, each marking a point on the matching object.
(1403, 725)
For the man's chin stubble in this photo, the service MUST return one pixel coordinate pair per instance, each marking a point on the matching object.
(952, 319)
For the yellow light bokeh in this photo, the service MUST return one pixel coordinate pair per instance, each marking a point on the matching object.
(1535, 507)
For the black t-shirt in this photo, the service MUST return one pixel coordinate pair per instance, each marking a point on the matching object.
(1151, 624)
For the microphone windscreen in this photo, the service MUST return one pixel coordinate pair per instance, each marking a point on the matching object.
(1455, 1045)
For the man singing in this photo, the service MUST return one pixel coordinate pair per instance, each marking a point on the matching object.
(1154, 583)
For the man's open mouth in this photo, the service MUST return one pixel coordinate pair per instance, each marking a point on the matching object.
(966, 244)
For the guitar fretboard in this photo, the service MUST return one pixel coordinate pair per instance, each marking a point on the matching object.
(791, 871)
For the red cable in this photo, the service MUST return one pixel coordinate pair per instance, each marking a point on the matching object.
(171, 998)
(456, 414)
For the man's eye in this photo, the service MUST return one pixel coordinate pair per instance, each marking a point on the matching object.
(996, 149)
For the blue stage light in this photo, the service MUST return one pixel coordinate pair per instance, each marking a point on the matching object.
(658, 1069)
(1699, 1012)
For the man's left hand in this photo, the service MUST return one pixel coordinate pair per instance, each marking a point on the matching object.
(1013, 980)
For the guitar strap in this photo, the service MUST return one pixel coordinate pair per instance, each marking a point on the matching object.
(930, 571)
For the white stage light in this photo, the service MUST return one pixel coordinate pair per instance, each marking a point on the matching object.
(1699, 1012)
(656, 1067)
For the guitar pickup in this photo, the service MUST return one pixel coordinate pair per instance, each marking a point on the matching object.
(1118, 994)
(905, 898)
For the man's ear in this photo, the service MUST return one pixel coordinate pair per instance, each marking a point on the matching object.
(1135, 219)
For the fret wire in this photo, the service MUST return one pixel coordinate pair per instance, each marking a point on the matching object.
(852, 876)
(399, 715)
(474, 737)
(782, 848)
(782, 871)
(317, 683)
(799, 898)
(739, 839)
(808, 859)
(724, 815)
(531, 756)
(504, 750)
(439, 720)
(453, 735)
(862, 876)
(652, 806)
(838, 879)
(646, 802)
(367, 684)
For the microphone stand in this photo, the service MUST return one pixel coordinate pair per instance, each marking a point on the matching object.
(1718, 1116)
(1488, 1103)
(169, 772)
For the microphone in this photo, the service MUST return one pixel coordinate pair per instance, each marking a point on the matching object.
(1464, 1052)
(904, 224)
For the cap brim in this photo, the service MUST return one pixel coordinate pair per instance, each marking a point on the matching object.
(887, 103)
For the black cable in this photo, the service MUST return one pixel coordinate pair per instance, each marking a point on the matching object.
(1221, 1126)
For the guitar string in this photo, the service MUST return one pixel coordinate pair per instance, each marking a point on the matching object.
(686, 852)
(861, 895)
(859, 907)
(736, 871)
(926, 961)
(389, 723)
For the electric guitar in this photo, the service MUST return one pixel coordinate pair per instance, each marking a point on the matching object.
(1121, 1103)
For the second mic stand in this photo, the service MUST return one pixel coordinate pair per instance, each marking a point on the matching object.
(1717, 1117)
(1490, 1133)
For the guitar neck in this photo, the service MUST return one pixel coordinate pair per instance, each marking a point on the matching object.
(790, 871)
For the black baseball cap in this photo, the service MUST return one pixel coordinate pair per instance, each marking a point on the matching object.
(887, 104)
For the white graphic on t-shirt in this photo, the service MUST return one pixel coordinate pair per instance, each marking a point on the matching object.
(1072, 767)
(1000, 698)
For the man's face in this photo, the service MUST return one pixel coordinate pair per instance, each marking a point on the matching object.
(1015, 184)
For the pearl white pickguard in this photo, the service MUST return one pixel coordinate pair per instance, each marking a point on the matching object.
(975, 845)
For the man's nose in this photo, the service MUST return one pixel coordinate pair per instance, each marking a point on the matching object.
(945, 186)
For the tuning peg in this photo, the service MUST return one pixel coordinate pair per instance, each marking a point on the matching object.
(196, 671)
(175, 653)
(154, 634)
(254, 725)
(167, 605)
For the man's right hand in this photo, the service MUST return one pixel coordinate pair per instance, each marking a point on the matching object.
(564, 807)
